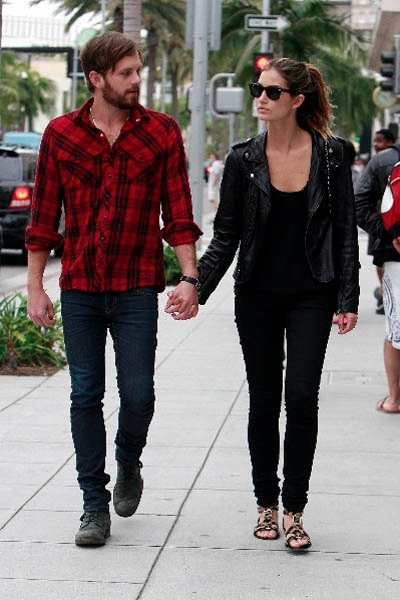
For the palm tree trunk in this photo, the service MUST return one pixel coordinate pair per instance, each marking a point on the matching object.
(174, 92)
(152, 45)
(133, 18)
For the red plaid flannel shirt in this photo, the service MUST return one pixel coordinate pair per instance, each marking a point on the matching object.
(113, 199)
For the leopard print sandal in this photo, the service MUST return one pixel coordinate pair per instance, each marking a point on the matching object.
(266, 522)
(296, 532)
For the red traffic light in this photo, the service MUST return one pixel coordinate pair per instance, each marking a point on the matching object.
(260, 61)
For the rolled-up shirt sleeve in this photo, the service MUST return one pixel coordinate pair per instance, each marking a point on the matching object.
(42, 232)
(177, 215)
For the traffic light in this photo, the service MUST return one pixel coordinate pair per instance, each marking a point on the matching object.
(260, 60)
(390, 68)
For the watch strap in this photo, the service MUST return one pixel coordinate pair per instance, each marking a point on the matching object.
(191, 280)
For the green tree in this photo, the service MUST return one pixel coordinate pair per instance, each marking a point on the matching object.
(132, 17)
(23, 92)
(315, 34)
(163, 20)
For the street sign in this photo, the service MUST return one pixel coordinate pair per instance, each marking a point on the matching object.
(265, 22)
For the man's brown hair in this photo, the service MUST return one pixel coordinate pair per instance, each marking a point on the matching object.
(102, 53)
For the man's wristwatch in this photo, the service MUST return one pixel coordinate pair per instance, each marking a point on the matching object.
(191, 280)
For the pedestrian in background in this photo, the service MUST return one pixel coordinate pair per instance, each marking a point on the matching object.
(368, 196)
(383, 139)
(287, 202)
(215, 170)
(112, 166)
(357, 168)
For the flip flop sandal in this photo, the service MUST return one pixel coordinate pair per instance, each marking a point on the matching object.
(380, 406)
(296, 532)
(266, 523)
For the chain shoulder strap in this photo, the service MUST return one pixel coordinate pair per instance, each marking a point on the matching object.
(328, 174)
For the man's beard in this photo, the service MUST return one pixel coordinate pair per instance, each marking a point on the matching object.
(121, 101)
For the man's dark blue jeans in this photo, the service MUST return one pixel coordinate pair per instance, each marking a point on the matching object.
(131, 317)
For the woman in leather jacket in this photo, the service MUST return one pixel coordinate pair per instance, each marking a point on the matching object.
(287, 203)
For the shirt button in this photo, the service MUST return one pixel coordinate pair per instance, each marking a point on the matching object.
(106, 194)
(102, 238)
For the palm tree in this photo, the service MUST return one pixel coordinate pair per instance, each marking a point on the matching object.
(74, 8)
(36, 93)
(132, 18)
(23, 92)
(165, 25)
(163, 20)
(315, 34)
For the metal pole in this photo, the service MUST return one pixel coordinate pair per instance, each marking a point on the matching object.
(74, 82)
(103, 15)
(196, 147)
(264, 48)
(265, 32)
(163, 81)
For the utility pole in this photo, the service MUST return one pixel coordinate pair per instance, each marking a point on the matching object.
(265, 32)
(103, 15)
(264, 48)
(197, 136)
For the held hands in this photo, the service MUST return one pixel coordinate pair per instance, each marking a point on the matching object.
(183, 302)
(40, 309)
(346, 321)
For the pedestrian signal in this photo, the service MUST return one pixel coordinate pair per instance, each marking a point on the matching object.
(260, 61)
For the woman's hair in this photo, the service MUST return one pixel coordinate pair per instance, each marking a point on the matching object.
(304, 78)
(102, 53)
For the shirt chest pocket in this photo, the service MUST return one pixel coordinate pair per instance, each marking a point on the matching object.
(77, 174)
(143, 167)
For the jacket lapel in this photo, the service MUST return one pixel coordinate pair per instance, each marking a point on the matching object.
(256, 162)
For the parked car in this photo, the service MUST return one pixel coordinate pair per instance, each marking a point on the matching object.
(17, 174)
(22, 139)
(1, 241)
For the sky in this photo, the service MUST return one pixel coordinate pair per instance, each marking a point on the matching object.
(22, 8)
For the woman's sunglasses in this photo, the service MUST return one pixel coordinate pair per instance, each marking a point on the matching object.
(273, 91)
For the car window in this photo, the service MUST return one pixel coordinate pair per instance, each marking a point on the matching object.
(29, 168)
(10, 168)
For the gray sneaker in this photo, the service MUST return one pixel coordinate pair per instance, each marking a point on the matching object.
(94, 529)
(127, 490)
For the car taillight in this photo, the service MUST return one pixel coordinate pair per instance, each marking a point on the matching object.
(21, 197)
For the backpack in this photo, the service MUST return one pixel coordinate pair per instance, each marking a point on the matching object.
(390, 207)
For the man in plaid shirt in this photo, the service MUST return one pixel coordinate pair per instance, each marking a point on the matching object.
(115, 168)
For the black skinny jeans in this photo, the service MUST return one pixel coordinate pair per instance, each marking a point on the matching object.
(262, 318)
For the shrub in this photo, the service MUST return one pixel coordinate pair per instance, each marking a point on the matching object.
(22, 343)
(171, 266)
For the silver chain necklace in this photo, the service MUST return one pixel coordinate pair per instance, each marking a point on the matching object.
(113, 137)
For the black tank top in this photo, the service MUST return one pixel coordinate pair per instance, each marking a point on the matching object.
(282, 265)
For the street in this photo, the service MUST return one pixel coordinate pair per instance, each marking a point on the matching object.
(13, 272)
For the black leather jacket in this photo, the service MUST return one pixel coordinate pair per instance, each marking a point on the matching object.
(331, 233)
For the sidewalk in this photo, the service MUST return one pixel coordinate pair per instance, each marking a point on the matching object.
(192, 534)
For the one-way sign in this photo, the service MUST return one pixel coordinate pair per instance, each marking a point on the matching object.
(269, 22)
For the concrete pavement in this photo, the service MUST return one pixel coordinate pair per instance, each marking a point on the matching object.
(192, 534)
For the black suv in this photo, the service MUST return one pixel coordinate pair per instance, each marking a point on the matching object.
(17, 175)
